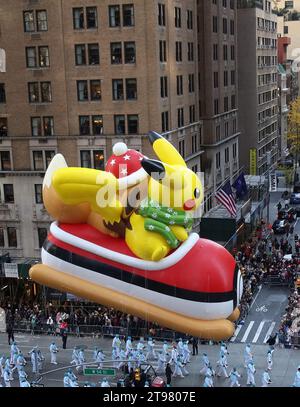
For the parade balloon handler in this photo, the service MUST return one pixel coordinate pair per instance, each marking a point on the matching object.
(140, 259)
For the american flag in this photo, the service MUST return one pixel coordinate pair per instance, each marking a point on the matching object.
(225, 196)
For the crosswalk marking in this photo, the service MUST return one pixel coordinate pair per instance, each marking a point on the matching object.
(236, 333)
(270, 330)
(247, 331)
(258, 332)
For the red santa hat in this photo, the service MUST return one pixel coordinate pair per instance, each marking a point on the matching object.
(126, 166)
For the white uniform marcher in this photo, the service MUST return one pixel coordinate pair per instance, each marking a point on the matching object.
(206, 363)
(266, 379)
(100, 359)
(250, 374)
(174, 355)
(40, 360)
(150, 350)
(297, 378)
(186, 352)
(178, 367)
(2, 364)
(13, 349)
(165, 348)
(20, 361)
(22, 374)
(222, 366)
(75, 357)
(81, 360)
(6, 377)
(67, 382)
(180, 347)
(116, 343)
(208, 382)
(162, 360)
(234, 378)
(53, 352)
(122, 357)
(248, 356)
(34, 360)
(105, 383)
(270, 359)
(24, 383)
(140, 345)
(129, 347)
(9, 368)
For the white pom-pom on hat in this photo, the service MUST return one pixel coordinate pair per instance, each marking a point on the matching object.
(120, 149)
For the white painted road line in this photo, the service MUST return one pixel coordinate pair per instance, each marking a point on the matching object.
(236, 333)
(270, 330)
(253, 302)
(247, 331)
(258, 332)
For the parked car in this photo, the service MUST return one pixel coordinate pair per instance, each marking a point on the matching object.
(297, 211)
(280, 226)
(295, 199)
(297, 187)
(287, 162)
(287, 214)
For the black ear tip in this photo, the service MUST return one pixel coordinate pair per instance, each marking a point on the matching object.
(153, 136)
(154, 168)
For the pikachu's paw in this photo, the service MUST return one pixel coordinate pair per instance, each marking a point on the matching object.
(159, 253)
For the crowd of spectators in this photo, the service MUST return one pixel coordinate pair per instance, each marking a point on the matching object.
(290, 322)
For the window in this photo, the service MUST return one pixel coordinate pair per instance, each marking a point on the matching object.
(181, 148)
(42, 236)
(224, 3)
(119, 124)
(177, 17)
(129, 51)
(46, 93)
(161, 14)
(131, 89)
(91, 17)
(95, 88)
(114, 16)
(224, 25)
(215, 52)
(163, 51)
(82, 91)
(31, 57)
(233, 102)
(164, 86)
(97, 125)
(12, 237)
(178, 51)
(215, 24)
(286, 29)
(226, 155)
(3, 127)
(48, 126)
(180, 117)
(226, 129)
(232, 77)
(179, 80)
(225, 52)
(44, 61)
(85, 159)
(232, 52)
(190, 51)
(216, 80)
(38, 161)
(80, 54)
(218, 133)
(116, 52)
(98, 156)
(36, 127)
(38, 192)
(33, 92)
(218, 160)
(128, 15)
(189, 23)
(84, 125)
(234, 126)
(118, 91)
(5, 163)
(225, 78)
(234, 150)
(28, 17)
(216, 106)
(192, 114)
(93, 51)
(194, 144)
(78, 18)
(8, 190)
(232, 27)
(2, 243)
(2, 93)
(165, 121)
(41, 20)
(226, 105)
(133, 123)
(48, 157)
(191, 83)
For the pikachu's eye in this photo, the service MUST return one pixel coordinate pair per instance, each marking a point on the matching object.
(197, 193)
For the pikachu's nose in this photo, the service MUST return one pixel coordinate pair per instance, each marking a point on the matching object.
(189, 205)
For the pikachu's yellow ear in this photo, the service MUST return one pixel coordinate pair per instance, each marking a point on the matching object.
(164, 150)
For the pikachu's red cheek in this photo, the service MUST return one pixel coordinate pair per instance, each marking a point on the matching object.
(189, 205)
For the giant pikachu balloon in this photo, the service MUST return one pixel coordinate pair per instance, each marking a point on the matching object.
(121, 237)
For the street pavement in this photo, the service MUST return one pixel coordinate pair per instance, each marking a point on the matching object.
(286, 361)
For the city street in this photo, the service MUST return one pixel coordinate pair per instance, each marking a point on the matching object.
(285, 365)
